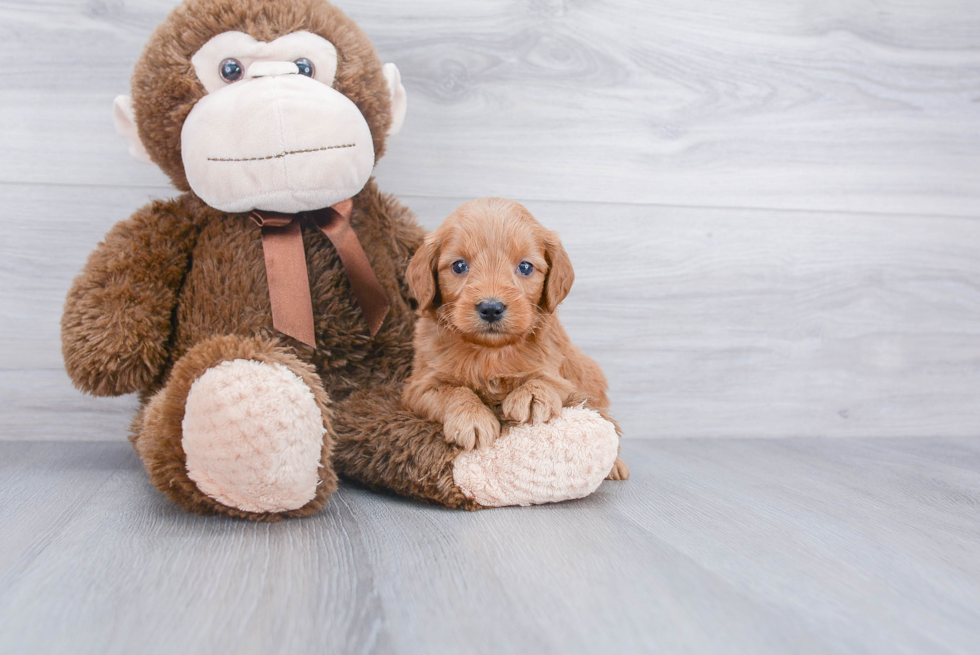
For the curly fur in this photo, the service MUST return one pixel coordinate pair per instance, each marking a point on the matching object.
(523, 365)
(471, 374)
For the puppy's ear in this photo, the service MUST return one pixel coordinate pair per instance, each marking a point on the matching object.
(422, 274)
(560, 276)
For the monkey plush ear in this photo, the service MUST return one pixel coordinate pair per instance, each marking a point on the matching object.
(125, 120)
(399, 101)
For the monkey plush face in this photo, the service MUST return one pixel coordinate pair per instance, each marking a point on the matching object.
(249, 111)
(272, 133)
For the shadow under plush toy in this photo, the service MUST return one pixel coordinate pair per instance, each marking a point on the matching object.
(263, 315)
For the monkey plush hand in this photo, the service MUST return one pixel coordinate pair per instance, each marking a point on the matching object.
(263, 315)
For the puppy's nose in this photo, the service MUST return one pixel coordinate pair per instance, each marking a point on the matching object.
(491, 310)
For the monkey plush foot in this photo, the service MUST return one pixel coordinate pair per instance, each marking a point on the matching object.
(252, 436)
(240, 428)
(382, 444)
(563, 459)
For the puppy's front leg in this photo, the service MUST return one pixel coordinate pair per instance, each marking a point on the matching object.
(466, 421)
(535, 401)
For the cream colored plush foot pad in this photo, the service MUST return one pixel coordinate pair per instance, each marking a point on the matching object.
(566, 458)
(253, 433)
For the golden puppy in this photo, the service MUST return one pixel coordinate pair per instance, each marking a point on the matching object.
(488, 346)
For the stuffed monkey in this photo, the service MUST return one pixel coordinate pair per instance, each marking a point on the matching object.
(263, 315)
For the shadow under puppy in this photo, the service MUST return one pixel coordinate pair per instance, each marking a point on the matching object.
(488, 345)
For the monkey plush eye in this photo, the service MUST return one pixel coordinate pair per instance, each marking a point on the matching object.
(305, 67)
(231, 70)
(460, 267)
(525, 268)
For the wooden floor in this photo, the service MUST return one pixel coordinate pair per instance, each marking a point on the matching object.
(713, 546)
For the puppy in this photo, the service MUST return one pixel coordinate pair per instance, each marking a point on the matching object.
(488, 345)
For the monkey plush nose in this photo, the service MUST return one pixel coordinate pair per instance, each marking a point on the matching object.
(272, 68)
(491, 310)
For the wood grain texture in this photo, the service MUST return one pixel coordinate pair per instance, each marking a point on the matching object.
(708, 322)
(646, 134)
(802, 105)
(44, 406)
(733, 546)
(750, 323)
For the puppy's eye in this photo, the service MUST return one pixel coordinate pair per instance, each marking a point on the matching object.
(231, 70)
(460, 267)
(305, 67)
(525, 268)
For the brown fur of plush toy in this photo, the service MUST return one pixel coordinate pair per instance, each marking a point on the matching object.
(397, 451)
(157, 428)
(174, 305)
(180, 286)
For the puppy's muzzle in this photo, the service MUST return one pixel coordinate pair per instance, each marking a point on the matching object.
(491, 310)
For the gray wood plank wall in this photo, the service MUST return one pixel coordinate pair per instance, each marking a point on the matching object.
(773, 208)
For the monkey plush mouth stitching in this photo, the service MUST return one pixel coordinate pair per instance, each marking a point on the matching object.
(283, 154)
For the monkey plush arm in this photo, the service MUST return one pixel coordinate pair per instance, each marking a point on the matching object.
(396, 228)
(118, 315)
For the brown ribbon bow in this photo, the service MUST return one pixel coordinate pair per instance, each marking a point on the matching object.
(285, 267)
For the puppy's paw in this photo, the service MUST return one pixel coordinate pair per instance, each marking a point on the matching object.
(534, 402)
(470, 425)
(619, 471)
